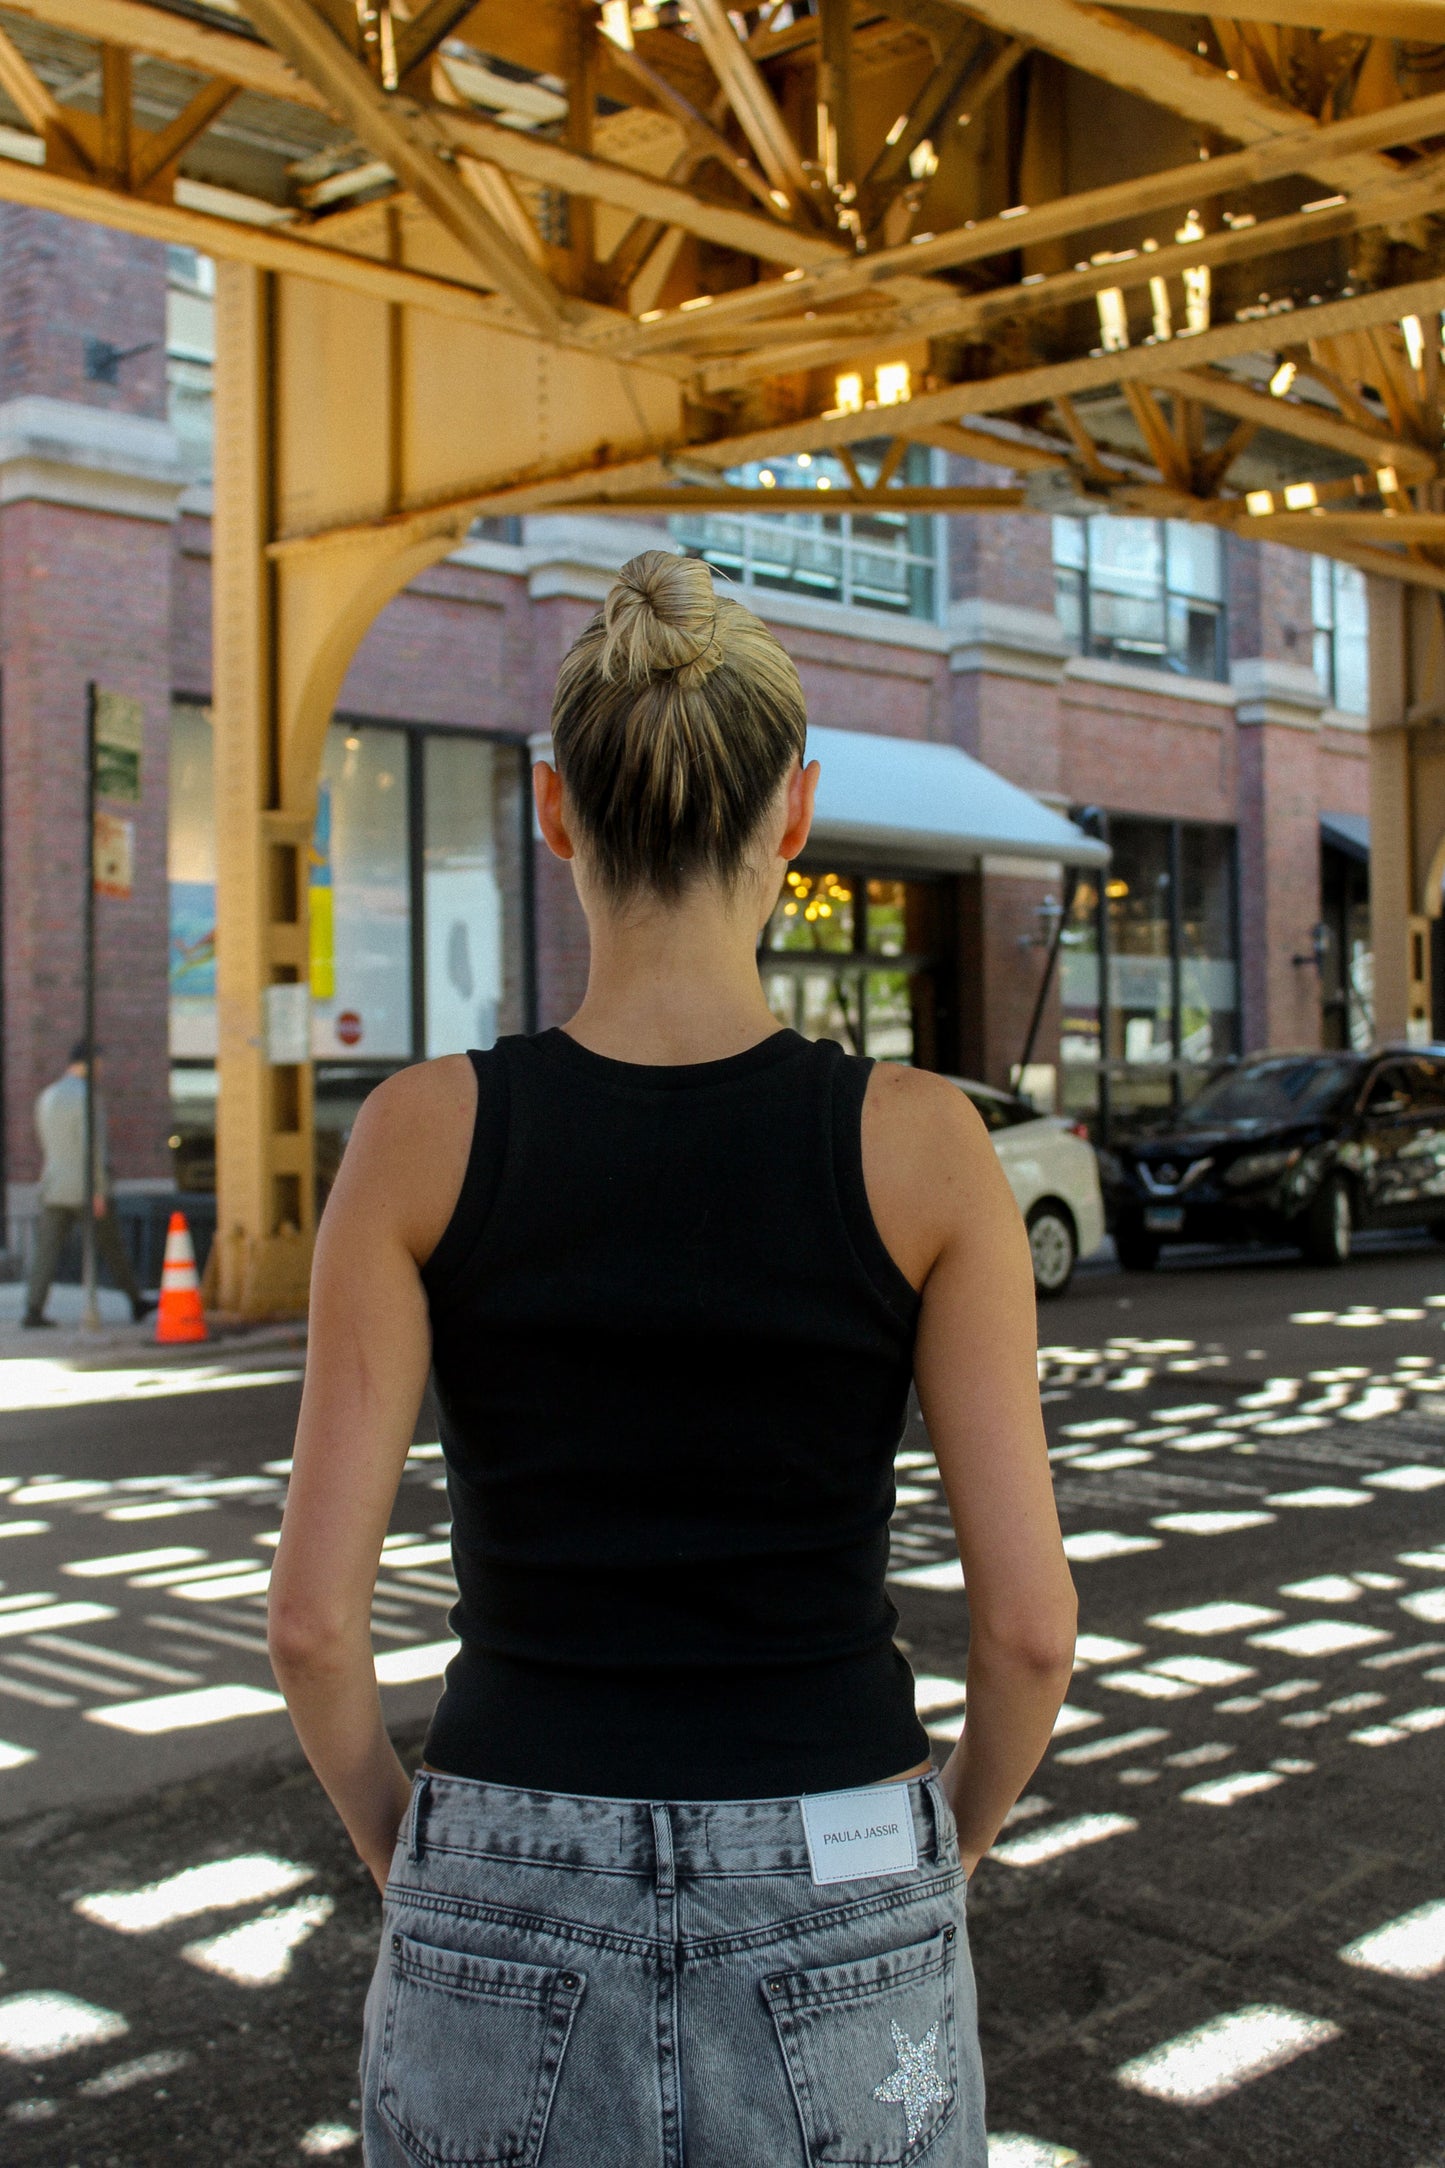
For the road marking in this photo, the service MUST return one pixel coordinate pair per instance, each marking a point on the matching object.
(215, 1886)
(1040, 1845)
(1215, 1618)
(1217, 2058)
(1224, 1791)
(1319, 1637)
(1409, 1948)
(182, 1712)
(37, 2027)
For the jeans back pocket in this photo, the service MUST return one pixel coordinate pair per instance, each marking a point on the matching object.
(871, 2053)
(471, 2053)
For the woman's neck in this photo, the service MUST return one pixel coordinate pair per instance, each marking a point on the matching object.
(674, 982)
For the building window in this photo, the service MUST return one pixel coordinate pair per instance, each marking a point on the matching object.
(1146, 591)
(1342, 634)
(864, 560)
(191, 355)
(853, 957)
(1149, 975)
(417, 903)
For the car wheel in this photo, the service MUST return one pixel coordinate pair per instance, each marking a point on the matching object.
(1053, 1246)
(1136, 1248)
(1329, 1224)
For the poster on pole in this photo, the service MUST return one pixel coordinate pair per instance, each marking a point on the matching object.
(119, 726)
(114, 860)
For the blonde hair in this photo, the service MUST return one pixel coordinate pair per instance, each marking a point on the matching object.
(676, 716)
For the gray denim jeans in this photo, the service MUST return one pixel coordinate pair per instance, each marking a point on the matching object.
(568, 1982)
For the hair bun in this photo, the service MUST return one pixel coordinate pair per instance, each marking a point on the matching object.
(660, 620)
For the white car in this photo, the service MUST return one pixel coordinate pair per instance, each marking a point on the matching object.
(1054, 1176)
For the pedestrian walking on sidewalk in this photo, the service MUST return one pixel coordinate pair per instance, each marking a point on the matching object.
(66, 1192)
(676, 1880)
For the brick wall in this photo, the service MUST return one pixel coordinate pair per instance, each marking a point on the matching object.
(82, 595)
(66, 282)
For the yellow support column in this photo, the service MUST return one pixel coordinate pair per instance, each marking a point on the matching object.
(265, 1150)
(1407, 800)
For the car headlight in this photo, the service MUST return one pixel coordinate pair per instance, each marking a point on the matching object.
(1260, 1167)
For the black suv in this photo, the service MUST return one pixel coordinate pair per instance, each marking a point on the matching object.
(1301, 1148)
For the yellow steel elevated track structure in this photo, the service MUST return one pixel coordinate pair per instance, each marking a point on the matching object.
(480, 257)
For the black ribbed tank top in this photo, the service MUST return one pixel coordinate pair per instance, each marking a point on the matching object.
(672, 1357)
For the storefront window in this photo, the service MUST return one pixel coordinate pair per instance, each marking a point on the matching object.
(851, 957)
(1148, 971)
(419, 938)
(1142, 590)
(361, 898)
(465, 969)
(871, 560)
(1208, 977)
(1341, 634)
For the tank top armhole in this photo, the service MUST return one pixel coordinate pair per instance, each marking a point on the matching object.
(483, 1175)
(850, 1076)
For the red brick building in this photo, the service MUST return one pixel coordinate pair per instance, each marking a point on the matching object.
(1194, 699)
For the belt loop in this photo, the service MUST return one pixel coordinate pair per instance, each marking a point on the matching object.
(415, 1830)
(943, 1822)
(662, 1850)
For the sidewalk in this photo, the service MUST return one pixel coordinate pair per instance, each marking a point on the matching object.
(118, 1334)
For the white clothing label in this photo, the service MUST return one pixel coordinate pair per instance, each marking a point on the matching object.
(852, 1835)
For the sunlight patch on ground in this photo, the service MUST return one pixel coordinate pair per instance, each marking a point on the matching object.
(1039, 1845)
(1410, 1948)
(217, 1885)
(37, 2027)
(1215, 2059)
(259, 1952)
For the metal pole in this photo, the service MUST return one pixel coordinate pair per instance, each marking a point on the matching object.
(90, 1312)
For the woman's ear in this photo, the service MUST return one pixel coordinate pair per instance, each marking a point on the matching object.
(802, 792)
(547, 797)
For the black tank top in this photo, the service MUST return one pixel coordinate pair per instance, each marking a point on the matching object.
(672, 1357)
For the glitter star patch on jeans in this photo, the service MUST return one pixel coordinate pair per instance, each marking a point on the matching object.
(854, 1835)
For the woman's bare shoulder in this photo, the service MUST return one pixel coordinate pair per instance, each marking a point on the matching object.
(408, 1149)
(928, 1164)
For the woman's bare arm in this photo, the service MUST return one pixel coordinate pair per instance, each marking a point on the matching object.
(945, 1211)
(368, 1353)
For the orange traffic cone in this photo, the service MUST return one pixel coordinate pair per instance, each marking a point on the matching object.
(180, 1316)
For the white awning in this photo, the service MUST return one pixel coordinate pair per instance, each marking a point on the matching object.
(933, 807)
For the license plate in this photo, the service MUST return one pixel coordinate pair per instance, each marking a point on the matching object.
(1164, 1219)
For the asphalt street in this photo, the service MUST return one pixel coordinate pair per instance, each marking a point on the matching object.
(1213, 1933)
